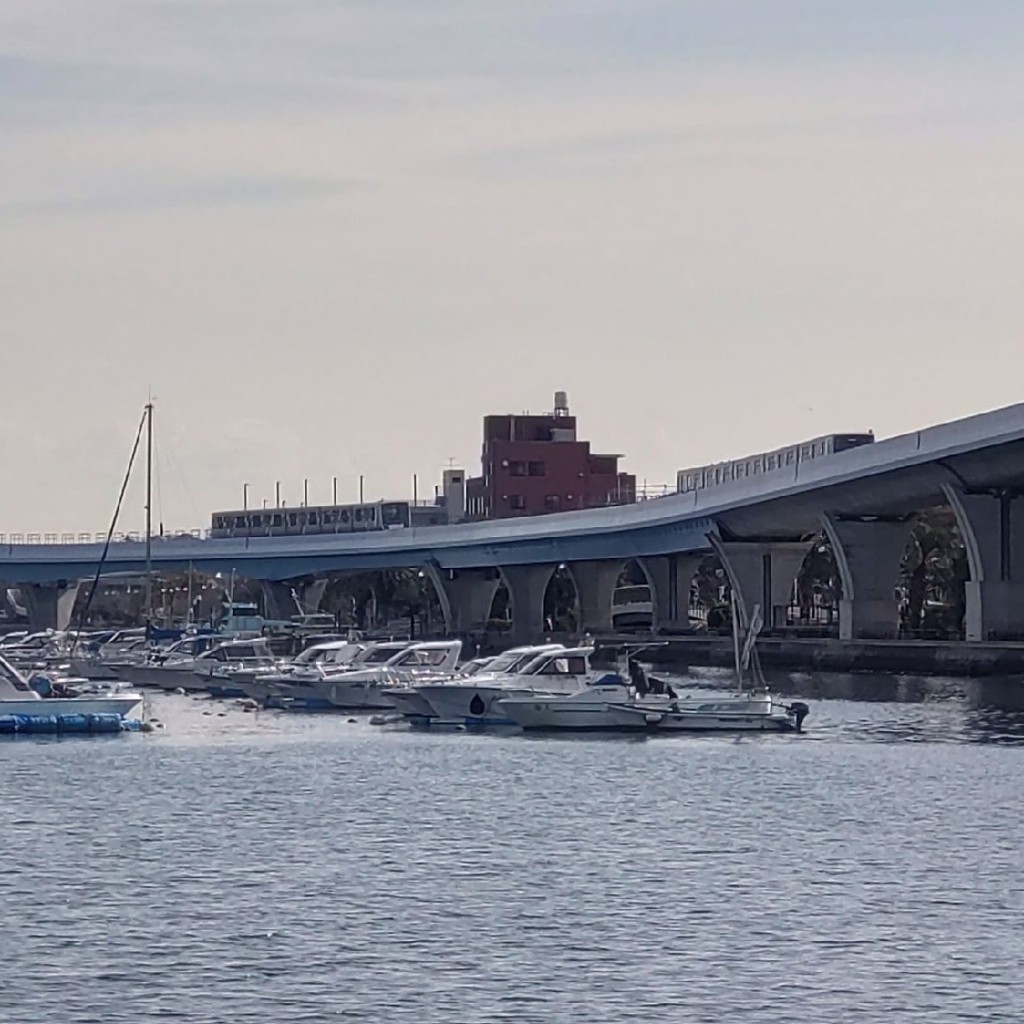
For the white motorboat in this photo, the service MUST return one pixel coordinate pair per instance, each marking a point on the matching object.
(368, 687)
(310, 691)
(548, 669)
(171, 667)
(408, 701)
(19, 701)
(310, 666)
(609, 701)
(99, 656)
(214, 669)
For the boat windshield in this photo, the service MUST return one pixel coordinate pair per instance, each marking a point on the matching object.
(511, 661)
(431, 657)
(380, 655)
(561, 665)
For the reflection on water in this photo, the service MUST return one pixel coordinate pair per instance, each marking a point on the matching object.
(895, 708)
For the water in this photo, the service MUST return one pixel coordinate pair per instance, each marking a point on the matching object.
(311, 869)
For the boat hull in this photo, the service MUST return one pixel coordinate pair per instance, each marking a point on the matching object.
(356, 695)
(558, 713)
(594, 715)
(163, 677)
(129, 706)
(412, 704)
(470, 705)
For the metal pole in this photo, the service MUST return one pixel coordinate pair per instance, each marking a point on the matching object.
(245, 497)
(277, 493)
(415, 488)
(334, 491)
(305, 493)
(360, 488)
(149, 517)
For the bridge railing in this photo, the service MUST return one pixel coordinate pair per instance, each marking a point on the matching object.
(130, 537)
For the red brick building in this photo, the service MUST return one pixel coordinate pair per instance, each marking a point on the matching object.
(535, 464)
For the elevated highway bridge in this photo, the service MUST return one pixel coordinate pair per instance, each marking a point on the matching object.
(864, 499)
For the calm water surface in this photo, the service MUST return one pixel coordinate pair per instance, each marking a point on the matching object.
(271, 868)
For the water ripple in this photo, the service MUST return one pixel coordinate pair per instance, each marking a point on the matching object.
(271, 867)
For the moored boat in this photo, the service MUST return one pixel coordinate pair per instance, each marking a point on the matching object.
(548, 668)
(611, 700)
(21, 704)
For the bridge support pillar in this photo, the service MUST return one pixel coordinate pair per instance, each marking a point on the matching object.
(868, 555)
(465, 596)
(595, 586)
(670, 578)
(762, 573)
(49, 605)
(992, 528)
(527, 585)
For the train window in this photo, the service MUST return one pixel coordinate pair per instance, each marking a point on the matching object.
(239, 522)
(359, 515)
(771, 461)
(313, 519)
(293, 519)
(256, 520)
(790, 456)
(275, 519)
(371, 514)
(345, 515)
(806, 451)
(330, 516)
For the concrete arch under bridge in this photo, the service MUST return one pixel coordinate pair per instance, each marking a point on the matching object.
(467, 595)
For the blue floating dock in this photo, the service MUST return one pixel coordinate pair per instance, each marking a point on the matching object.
(50, 724)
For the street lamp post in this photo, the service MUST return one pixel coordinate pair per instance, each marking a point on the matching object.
(245, 497)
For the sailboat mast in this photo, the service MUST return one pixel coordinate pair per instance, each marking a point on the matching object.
(149, 517)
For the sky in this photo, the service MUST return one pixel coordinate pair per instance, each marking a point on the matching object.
(329, 236)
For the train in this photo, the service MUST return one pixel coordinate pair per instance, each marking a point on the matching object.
(317, 519)
(701, 477)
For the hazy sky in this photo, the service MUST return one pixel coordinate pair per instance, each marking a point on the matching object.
(331, 236)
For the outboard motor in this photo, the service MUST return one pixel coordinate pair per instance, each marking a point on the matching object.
(799, 710)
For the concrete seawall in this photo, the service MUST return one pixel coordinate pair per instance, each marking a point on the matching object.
(912, 657)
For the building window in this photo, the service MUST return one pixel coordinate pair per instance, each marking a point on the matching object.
(552, 502)
(536, 468)
(516, 501)
(517, 469)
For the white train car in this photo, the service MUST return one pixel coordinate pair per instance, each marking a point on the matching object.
(702, 477)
